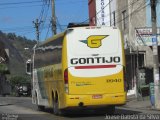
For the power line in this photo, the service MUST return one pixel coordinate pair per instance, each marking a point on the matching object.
(42, 11)
(127, 6)
(98, 11)
(44, 14)
(116, 11)
(21, 6)
(70, 1)
(48, 30)
(17, 3)
(58, 24)
(127, 9)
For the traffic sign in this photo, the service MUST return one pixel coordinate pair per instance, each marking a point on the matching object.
(154, 40)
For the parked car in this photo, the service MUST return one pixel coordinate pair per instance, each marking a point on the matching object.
(23, 90)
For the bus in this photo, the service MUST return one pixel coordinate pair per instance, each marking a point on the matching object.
(83, 67)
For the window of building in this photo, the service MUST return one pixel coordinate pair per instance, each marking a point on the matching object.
(141, 59)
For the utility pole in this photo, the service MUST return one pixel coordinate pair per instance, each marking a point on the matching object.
(36, 25)
(54, 27)
(155, 54)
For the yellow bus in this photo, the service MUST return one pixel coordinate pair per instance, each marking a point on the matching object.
(81, 67)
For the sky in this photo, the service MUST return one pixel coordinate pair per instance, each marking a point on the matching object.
(17, 16)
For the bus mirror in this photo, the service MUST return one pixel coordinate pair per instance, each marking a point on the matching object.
(29, 67)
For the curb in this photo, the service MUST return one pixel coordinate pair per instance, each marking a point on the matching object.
(4, 104)
(149, 108)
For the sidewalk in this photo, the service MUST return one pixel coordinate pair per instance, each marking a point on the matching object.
(133, 102)
(2, 102)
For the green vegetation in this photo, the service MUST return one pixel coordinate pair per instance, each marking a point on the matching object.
(4, 69)
(17, 81)
(20, 80)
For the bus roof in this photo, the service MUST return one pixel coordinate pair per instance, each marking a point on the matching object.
(52, 38)
(63, 33)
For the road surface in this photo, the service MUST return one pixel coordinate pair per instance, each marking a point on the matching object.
(21, 108)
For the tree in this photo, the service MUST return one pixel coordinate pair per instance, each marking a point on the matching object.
(4, 69)
(11, 36)
(20, 80)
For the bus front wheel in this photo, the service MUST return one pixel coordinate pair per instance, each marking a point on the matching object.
(39, 107)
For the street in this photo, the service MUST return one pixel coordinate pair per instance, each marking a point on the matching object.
(21, 108)
(84, 53)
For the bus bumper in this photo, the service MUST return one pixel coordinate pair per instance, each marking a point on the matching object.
(94, 100)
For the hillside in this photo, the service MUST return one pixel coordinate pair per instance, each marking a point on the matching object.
(17, 52)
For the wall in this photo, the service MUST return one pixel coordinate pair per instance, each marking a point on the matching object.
(92, 12)
(119, 6)
(113, 6)
(137, 19)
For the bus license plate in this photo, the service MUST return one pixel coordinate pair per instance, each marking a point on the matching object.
(96, 96)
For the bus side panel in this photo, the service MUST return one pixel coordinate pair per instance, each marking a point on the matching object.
(38, 91)
(62, 91)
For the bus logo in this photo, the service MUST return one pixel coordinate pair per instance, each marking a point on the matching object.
(94, 41)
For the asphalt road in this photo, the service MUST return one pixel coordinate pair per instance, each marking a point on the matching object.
(21, 108)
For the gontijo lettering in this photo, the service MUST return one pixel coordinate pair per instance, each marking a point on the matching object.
(95, 60)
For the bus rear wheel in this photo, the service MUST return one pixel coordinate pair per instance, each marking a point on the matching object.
(56, 109)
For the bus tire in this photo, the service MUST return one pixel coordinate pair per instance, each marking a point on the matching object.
(39, 107)
(56, 109)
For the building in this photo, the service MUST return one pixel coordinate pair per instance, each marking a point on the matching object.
(99, 12)
(133, 18)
